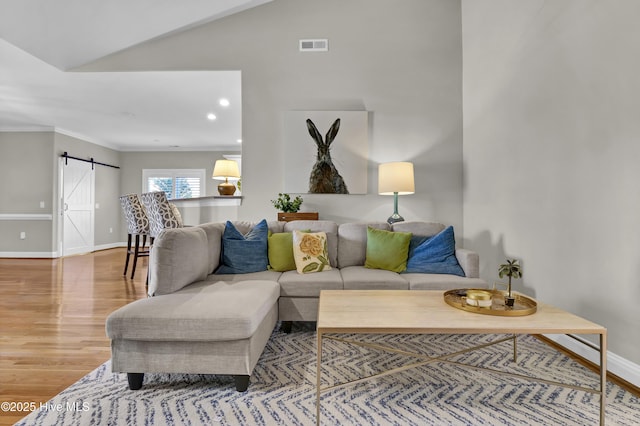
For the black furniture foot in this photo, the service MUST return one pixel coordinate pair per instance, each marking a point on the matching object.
(135, 380)
(285, 326)
(242, 383)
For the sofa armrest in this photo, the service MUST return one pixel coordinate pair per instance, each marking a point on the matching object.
(469, 261)
(179, 257)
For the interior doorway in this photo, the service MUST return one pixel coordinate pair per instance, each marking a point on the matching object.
(77, 206)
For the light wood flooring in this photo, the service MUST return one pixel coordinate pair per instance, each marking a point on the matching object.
(52, 317)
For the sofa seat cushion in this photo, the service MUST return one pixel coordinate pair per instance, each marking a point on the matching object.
(204, 311)
(359, 278)
(441, 282)
(250, 276)
(309, 285)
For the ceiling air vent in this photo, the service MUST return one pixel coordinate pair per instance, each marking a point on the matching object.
(314, 45)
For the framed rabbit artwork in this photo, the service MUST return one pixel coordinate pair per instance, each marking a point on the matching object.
(326, 152)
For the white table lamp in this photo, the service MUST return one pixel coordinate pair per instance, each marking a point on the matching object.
(223, 170)
(395, 179)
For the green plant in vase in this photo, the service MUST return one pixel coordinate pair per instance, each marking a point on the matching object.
(285, 204)
(510, 269)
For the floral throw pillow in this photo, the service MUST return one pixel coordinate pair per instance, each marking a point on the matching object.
(310, 252)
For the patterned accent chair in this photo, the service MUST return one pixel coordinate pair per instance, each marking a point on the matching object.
(160, 212)
(137, 225)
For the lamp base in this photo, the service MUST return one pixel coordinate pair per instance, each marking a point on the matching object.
(226, 188)
(395, 218)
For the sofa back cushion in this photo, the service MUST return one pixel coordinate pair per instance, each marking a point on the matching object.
(423, 229)
(327, 226)
(352, 242)
(214, 231)
(244, 226)
(179, 257)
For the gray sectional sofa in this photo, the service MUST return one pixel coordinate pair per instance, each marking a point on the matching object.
(205, 323)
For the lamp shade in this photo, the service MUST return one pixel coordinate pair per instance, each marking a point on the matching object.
(224, 169)
(396, 177)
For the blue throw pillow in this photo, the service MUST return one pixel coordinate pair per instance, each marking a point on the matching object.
(242, 254)
(434, 255)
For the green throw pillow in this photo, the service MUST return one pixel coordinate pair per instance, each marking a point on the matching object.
(387, 250)
(281, 252)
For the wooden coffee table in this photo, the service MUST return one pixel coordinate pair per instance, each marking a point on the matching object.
(425, 312)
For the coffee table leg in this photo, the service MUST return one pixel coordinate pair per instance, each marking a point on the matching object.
(603, 376)
(318, 371)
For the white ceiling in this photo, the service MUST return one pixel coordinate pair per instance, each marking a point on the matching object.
(41, 39)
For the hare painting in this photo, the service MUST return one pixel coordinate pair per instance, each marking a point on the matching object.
(325, 178)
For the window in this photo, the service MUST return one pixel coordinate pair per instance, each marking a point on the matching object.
(186, 183)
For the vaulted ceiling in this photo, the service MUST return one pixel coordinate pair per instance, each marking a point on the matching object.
(42, 41)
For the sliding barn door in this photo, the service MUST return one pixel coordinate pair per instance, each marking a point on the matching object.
(78, 184)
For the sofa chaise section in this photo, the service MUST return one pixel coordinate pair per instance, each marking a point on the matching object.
(205, 328)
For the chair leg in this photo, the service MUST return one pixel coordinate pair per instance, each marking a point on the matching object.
(149, 262)
(136, 250)
(126, 262)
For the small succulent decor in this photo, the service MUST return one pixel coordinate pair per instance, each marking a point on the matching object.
(285, 204)
(510, 269)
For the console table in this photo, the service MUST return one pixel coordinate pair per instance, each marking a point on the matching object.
(288, 217)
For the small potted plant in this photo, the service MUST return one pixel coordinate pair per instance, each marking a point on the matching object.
(285, 204)
(510, 269)
(288, 209)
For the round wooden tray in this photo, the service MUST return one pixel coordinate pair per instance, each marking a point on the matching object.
(522, 306)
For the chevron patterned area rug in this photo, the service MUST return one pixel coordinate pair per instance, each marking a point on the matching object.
(282, 389)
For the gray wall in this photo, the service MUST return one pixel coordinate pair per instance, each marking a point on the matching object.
(550, 153)
(26, 172)
(402, 63)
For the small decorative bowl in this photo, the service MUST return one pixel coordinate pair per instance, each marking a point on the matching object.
(479, 298)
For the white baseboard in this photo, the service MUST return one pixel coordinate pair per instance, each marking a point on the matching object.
(30, 254)
(109, 246)
(616, 364)
(54, 254)
(27, 216)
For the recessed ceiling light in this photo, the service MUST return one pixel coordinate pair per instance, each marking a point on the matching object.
(239, 141)
(224, 102)
(211, 116)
